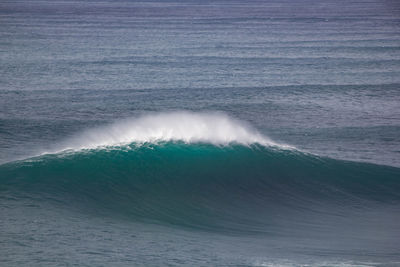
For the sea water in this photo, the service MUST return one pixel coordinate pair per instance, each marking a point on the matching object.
(199, 133)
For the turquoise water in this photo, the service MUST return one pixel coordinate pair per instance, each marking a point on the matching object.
(188, 133)
(198, 204)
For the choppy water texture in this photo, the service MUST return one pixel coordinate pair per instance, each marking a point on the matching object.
(212, 133)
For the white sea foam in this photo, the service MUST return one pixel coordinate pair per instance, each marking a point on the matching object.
(187, 127)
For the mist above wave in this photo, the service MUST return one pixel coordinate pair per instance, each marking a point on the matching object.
(183, 126)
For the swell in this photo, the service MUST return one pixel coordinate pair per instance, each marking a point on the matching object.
(233, 188)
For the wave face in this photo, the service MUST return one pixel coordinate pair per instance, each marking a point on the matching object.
(226, 188)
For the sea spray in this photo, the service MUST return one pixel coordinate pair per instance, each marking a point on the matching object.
(183, 126)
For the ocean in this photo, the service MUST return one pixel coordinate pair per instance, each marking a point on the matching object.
(200, 133)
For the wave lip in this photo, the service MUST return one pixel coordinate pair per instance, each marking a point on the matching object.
(183, 126)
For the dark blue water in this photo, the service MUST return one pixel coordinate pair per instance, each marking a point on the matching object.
(199, 133)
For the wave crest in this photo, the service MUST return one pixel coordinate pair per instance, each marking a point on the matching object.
(187, 127)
